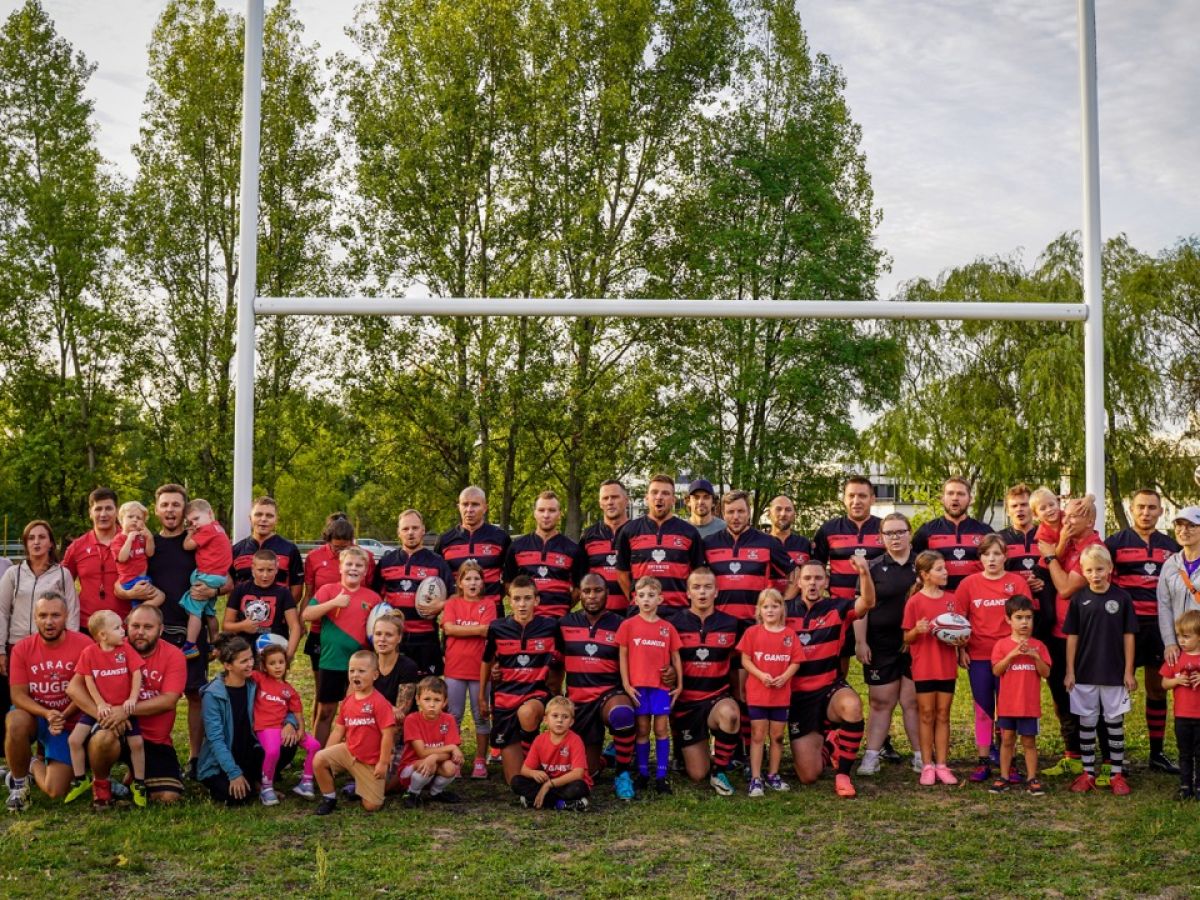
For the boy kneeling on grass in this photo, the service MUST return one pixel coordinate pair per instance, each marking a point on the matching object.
(432, 756)
(361, 741)
(555, 772)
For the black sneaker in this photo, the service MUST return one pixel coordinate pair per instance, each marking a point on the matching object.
(411, 800)
(1185, 793)
(580, 805)
(191, 769)
(888, 753)
(1160, 762)
(662, 787)
(641, 782)
(999, 786)
(326, 806)
(445, 797)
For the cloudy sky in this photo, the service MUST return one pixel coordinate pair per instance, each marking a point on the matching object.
(969, 111)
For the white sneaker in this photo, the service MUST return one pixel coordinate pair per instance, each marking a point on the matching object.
(918, 764)
(18, 799)
(869, 764)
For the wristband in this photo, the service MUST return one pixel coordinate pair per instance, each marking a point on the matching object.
(1049, 558)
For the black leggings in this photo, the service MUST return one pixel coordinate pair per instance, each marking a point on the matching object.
(528, 788)
(1068, 722)
(218, 785)
(1187, 737)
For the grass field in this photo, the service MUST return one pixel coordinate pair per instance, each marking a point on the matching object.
(895, 839)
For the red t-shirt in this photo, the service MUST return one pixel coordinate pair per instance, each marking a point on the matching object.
(137, 562)
(44, 670)
(772, 652)
(558, 759)
(94, 566)
(1187, 698)
(364, 721)
(932, 660)
(1020, 686)
(1047, 533)
(441, 731)
(164, 672)
(650, 647)
(321, 568)
(1070, 563)
(983, 600)
(112, 670)
(214, 552)
(273, 700)
(464, 655)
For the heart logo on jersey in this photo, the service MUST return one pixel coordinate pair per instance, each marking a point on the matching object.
(406, 585)
(611, 559)
(523, 659)
(1150, 568)
(658, 555)
(591, 649)
(1027, 562)
(959, 552)
(702, 653)
(735, 567)
(805, 637)
(860, 551)
(542, 570)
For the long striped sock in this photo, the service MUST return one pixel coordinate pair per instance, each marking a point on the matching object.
(623, 744)
(849, 738)
(1087, 742)
(526, 740)
(724, 743)
(1116, 742)
(745, 730)
(1156, 723)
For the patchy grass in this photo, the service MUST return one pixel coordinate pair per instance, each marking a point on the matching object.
(896, 839)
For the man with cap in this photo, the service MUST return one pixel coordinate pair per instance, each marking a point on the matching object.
(1179, 580)
(700, 502)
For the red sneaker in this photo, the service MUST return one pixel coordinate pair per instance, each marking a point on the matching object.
(1083, 784)
(102, 792)
(1119, 785)
(843, 786)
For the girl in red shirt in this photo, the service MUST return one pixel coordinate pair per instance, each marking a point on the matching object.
(934, 664)
(272, 703)
(770, 655)
(465, 619)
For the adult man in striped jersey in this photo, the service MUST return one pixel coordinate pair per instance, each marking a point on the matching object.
(661, 545)
(600, 541)
(476, 538)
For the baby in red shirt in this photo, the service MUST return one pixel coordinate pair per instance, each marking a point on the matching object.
(133, 544)
(214, 558)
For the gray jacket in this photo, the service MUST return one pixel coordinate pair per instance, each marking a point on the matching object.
(1174, 598)
(19, 588)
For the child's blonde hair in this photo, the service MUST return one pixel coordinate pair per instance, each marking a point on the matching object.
(1040, 497)
(101, 619)
(353, 550)
(558, 701)
(1188, 623)
(648, 581)
(198, 505)
(765, 596)
(1094, 553)
(366, 656)
(129, 506)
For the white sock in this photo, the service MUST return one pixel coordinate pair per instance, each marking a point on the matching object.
(870, 755)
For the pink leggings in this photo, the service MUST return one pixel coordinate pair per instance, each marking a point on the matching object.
(272, 743)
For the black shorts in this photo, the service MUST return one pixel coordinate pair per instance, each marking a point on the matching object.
(806, 715)
(197, 669)
(506, 728)
(690, 721)
(1148, 645)
(589, 719)
(887, 671)
(332, 685)
(312, 647)
(163, 774)
(426, 651)
(936, 686)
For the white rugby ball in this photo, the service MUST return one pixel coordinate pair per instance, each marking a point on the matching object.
(265, 640)
(951, 628)
(430, 592)
(381, 609)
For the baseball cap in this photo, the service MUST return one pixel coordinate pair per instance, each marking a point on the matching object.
(1189, 514)
(701, 484)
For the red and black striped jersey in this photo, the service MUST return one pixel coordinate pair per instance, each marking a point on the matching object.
(1137, 565)
(521, 655)
(287, 555)
(591, 654)
(958, 542)
(822, 630)
(1024, 557)
(487, 545)
(838, 540)
(600, 545)
(555, 565)
(708, 646)
(799, 550)
(744, 567)
(397, 576)
(667, 552)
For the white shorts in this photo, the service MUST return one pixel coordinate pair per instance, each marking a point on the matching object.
(1094, 699)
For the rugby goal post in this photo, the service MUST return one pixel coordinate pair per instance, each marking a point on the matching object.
(250, 306)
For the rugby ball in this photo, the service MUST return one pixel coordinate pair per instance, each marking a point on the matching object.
(951, 628)
(430, 592)
(263, 641)
(381, 609)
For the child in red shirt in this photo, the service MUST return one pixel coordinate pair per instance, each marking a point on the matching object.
(112, 672)
(555, 772)
(771, 654)
(1182, 677)
(273, 701)
(214, 558)
(934, 664)
(465, 619)
(133, 545)
(361, 741)
(649, 644)
(432, 756)
(1020, 662)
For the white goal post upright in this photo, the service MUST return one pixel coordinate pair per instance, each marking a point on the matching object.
(1090, 312)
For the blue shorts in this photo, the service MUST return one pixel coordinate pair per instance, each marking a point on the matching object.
(653, 702)
(770, 713)
(1026, 726)
(134, 582)
(54, 746)
(201, 608)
